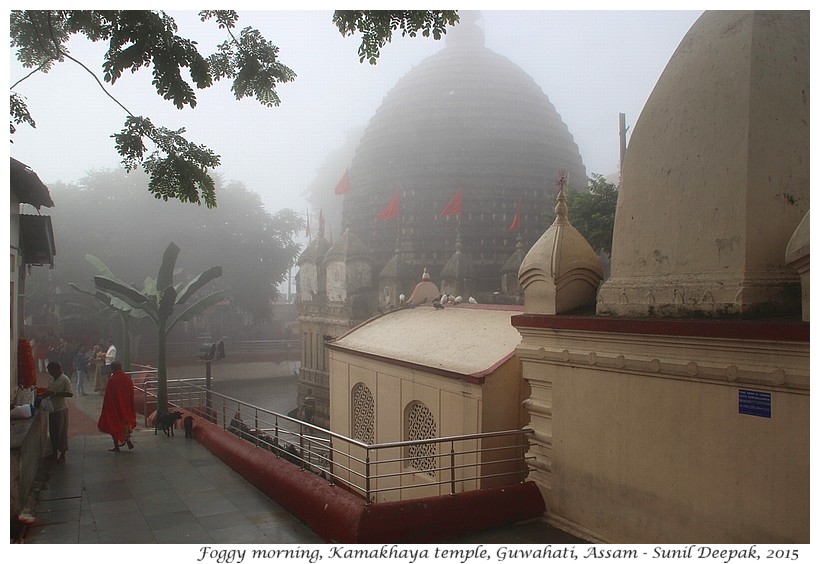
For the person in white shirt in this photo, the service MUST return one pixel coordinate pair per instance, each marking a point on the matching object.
(110, 356)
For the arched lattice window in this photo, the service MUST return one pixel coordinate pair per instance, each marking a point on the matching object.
(421, 425)
(364, 414)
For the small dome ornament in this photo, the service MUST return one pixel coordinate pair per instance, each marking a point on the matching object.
(561, 272)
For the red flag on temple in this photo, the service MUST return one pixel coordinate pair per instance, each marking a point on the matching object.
(391, 210)
(321, 224)
(516, 222)
(343, 187)
(454, 205)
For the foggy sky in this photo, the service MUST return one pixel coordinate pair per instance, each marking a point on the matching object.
(591, 64)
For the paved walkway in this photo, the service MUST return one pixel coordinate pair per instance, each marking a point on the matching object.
(174, 491)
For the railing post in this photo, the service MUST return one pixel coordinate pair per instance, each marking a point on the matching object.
(367, 477)
(208, 386)
(330, 462)
(452, 468)
(301, 446)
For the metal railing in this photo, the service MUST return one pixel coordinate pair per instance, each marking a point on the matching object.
(190, 349)
(378, 472)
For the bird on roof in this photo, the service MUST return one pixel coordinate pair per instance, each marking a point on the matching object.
(437, 304)
(443, 298)
(459, 299)
(401, 298)
(472, 300)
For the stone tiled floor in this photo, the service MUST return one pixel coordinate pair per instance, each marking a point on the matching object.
(164, 491)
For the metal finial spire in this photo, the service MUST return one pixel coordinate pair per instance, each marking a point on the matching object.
(561, 210)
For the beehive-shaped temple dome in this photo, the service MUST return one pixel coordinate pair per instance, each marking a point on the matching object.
(716, 177)
(467, 118)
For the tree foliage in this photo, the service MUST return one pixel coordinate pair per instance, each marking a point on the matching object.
(377, 26)
(592, 212)
(109, 211)
(138, 39)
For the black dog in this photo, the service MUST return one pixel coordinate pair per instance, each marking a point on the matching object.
(188, 423)
(166, 422)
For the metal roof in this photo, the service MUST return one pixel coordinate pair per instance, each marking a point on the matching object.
(27, 186)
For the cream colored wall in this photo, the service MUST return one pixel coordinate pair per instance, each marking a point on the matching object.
(639, 439)
(716, 176)
(502, 416)
(457, 406)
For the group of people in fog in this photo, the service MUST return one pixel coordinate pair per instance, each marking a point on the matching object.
(64, 361)
(82, 362)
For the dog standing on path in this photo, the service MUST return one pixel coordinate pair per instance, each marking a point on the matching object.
(188, 423)
(166, 422)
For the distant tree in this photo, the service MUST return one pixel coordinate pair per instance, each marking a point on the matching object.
(109, 211)
(179, 169)
(593, 212)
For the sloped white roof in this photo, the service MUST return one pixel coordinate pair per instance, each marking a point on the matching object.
(465, 339)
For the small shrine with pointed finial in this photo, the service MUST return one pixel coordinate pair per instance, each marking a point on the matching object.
(348, 266)
(457, 274)
(392, 280)
(561, 272)
(425, 291)
(312, 269)
(509, 272)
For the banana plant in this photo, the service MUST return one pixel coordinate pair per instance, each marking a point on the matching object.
(162, 303)
(123, 311)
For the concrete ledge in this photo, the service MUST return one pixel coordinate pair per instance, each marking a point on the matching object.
(338, 515)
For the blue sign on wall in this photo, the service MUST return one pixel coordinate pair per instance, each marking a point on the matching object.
(752, 402)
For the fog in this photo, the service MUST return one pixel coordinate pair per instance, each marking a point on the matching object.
(592, 65)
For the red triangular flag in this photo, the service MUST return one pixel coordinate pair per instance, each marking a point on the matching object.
(516, 222)
(391, 210)
(343, 187)
(321, 224)
(454, 206)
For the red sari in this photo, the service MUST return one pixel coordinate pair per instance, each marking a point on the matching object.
(117, 417)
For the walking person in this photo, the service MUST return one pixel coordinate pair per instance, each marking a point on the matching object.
(59, 388)
(80, 367)
(118, 417)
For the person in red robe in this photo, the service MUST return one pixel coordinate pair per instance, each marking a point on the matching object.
(118, 417)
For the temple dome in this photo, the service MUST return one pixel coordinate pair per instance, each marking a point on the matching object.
(561, 272)
(468, 118)
(716, 176)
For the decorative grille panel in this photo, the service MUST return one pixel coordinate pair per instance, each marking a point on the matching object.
(421, 425)
(364, 418)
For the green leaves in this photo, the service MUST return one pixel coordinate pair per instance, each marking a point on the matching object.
(377, 26)
(177, 168)
(18, 111)
(593, 212)
(197, 308)
(165, 277)
(198, 282)
(251, 61)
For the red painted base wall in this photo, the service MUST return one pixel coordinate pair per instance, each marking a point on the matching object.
(338, 515)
